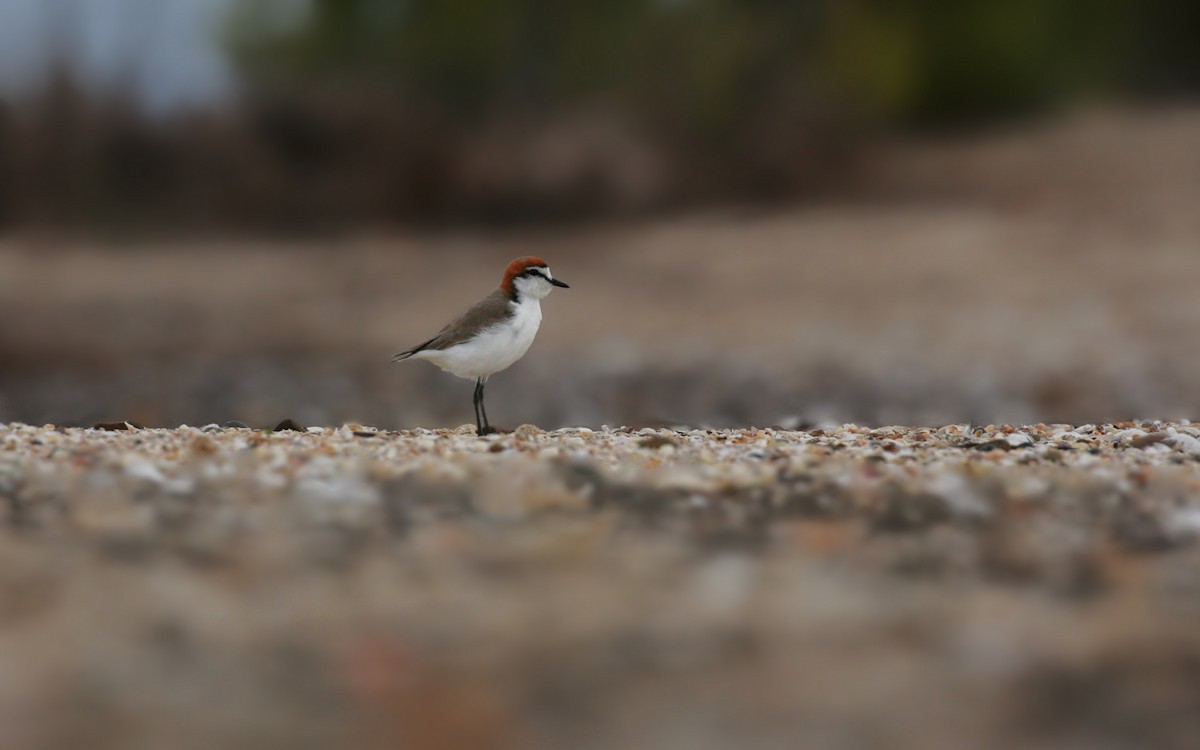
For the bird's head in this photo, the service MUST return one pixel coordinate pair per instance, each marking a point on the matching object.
(529, 277)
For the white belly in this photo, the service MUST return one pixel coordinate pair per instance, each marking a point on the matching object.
(494, 349)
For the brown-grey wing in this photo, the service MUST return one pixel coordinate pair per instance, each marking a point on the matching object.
(491, 310)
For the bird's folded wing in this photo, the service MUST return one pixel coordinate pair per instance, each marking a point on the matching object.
(490, 311)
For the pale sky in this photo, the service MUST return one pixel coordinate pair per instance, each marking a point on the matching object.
(167, 50)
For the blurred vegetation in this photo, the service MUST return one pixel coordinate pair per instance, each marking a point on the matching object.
(387, 111)
(700, 66)
(930, 62)
(708, 65)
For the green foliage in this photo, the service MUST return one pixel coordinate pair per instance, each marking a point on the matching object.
(698, 62)
(707, 66)
(923, 60)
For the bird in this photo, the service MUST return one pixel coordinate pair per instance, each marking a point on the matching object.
(493, 333)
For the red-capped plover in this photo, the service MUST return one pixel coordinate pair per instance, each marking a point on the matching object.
(494, 333)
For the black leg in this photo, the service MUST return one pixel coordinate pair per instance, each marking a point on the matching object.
(483, 408)
(481, 417)
(478, 402)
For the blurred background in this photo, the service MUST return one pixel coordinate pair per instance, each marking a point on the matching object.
(770, 212)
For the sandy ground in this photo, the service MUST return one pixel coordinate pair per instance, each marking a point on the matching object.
(988, 587)
(1048, 274)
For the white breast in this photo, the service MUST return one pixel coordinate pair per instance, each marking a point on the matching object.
(494, 348)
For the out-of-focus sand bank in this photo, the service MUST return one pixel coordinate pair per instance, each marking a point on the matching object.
(1047, 274)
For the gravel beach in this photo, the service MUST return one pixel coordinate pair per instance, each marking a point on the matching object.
(963, 586)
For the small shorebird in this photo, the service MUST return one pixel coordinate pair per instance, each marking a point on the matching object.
(494, 333)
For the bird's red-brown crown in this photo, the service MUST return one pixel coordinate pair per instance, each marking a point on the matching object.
(517, 267)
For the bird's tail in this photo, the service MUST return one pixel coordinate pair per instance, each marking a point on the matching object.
(405, 355)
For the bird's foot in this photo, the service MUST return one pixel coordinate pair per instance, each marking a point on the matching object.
(488, 430)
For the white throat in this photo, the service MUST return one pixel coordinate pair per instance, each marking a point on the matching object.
(531, 288)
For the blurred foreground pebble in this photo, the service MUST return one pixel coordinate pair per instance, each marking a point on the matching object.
(225, 587)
